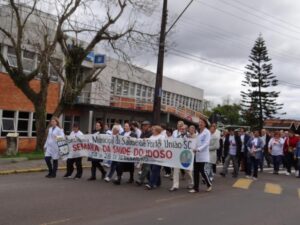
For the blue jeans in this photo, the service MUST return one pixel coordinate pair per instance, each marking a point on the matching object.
(253, 163)
(113, 168)
(277, 159)
(155, 176)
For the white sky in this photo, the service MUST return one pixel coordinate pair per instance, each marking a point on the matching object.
(224, 31)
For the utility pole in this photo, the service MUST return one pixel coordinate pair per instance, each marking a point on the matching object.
(160, 66)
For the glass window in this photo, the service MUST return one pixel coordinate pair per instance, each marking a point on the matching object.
(67, 124)
(112, 86)
(138, 90)
(176, 100)
(28, 61)
(8, 122)
(126, 88)
(168, 98)
(119, 87)
(163, 97)
(150, 94)
(53, 67)
(144, 89)
(132, 89)
(12, 57)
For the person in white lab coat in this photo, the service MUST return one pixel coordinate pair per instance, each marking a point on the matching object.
(51, 147)
(78, 160)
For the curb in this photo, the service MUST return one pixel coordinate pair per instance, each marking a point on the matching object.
(32, 170)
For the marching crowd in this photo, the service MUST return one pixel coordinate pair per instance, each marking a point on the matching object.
(248, 152)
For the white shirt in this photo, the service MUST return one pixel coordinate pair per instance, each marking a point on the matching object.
(156, 137)
(175, 134)
(127, 134)
(138, 132)
(232, 145)
(276, 146)
(202, 146)
(243, 142)
(75, 134)
(51, 147)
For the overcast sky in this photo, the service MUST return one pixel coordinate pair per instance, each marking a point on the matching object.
(224, 31)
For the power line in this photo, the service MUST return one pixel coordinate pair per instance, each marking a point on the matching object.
(220, 36)
(267, 14)
(248, 21)
(258, 16)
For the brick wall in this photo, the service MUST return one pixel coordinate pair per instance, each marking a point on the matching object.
(11, 98)
(25, 144)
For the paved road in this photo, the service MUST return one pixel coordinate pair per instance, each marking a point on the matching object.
(32, 199)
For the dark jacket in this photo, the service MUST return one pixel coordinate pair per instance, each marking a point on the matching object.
(132, 134)
(266, 147)
(238, 145)
(246, 139)
(146, 134)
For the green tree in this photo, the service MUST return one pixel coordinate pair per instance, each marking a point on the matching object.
(227, 114)
(258, 100)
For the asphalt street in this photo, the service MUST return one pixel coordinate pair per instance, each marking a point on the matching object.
(34, 200)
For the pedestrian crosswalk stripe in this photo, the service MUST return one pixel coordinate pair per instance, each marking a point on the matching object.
(299, 193)
(273, 189)
(242, 183)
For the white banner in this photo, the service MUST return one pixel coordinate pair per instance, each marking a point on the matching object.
(175, 153)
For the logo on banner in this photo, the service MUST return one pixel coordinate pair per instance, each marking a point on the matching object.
(186, 158)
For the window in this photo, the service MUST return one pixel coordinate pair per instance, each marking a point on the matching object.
(53, 67)
(132, 89)
(112, 86)
(119, 87)
(48, 118)
(28, 61)
(23, 123)
(67, 124)
(144, 89)
(176, 100)
(150, 94)
(163, 97)
(125, 88)
(168, 98)
(12, 57)
(138, 90)
(8, 122)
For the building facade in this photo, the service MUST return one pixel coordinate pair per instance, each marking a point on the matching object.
(122, 93)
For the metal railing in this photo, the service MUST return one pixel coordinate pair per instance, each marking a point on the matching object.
(142, 103)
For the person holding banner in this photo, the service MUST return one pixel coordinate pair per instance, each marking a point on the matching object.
(155, 180)
(51, 147)
(126, 166)
(96, 163)
(77, 160)
(201, 156)
(182, 133)
(113, 166)
(146, 133)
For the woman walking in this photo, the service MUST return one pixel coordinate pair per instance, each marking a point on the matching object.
(202, 157)
(96, 163)
(276, 150)
(155, 169)
(51, 147)
(76, 133)
(255, 150)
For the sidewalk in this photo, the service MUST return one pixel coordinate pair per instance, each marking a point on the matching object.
(26, 166)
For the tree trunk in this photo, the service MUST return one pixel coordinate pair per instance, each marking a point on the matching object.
(41, 128)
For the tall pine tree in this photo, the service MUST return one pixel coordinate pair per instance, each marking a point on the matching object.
(258, 101)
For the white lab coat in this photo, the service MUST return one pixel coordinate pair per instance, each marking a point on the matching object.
(75, 134)
(51, 147)
(214, 146)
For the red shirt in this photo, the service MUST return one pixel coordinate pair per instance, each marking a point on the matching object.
(290, 142)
